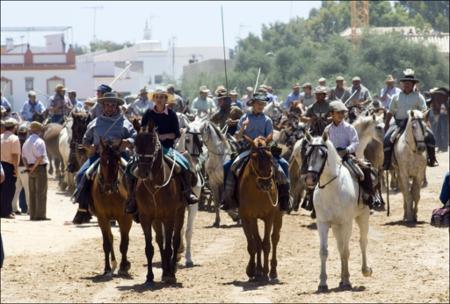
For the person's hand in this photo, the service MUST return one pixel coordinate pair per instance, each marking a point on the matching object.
(342, 153)
(245, 124)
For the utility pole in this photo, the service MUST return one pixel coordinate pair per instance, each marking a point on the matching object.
(173, 57)
(94, 8)
(359, 14)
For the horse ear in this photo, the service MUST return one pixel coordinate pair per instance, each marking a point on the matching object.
(325, 136)
(150, 125)
(308, 136)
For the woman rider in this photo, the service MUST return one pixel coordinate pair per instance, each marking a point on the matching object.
(167, 126)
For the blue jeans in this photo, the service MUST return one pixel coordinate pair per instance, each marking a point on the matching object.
(84, 168)
(57, 118)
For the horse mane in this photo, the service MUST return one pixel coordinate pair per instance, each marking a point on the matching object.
(363, 122)
(217, 131)
(332, 152)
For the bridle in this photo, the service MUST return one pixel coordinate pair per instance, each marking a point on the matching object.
(324, 149)
(420, 123)
(149, 158)
(115, 183)
(259, 177)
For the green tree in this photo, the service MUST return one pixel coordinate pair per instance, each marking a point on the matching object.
(434, 12)
(107, 45)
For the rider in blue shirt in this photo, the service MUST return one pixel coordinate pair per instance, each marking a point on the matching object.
(31, 106)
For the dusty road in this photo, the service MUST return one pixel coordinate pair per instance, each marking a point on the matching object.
(54, 262)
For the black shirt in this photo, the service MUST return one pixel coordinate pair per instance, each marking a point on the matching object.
(166, 122)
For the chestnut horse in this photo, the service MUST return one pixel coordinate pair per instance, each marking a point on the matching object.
(160, 203)
(258, 200)
(109, 194)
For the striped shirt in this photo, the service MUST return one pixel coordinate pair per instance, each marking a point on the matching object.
(343, 136)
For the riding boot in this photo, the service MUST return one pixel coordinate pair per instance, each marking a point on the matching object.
(228, 199)
(431, 161)
(186, 184)
(83, 197)
(387, 159)
(283, 197)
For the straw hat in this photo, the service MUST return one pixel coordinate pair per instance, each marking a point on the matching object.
(36, 127)
(10, 122)
(204, 89)
(170, 97)
(389, 78)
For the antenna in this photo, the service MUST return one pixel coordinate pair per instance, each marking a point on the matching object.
(94, 8)
(224, 53)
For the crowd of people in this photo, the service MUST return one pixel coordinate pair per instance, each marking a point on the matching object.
(24, 157)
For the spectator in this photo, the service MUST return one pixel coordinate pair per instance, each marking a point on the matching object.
(10, 146)
(35, 159)
(31, 106)
(22, 175)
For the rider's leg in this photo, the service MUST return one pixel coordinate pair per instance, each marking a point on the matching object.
(82, 192)
(130, 203)
(188, 177)
(283, 186)
(388, 146)
(227, 201)
(431, 148)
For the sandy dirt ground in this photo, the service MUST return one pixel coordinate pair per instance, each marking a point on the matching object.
(55, 262)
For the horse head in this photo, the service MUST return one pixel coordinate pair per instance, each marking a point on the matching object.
(79, 126)
(148, 149)
(261, 162)
(214, 140)
(316, 156)
(110, 152)
(416, 128)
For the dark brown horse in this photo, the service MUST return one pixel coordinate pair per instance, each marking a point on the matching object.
(258, 200)
(78, 155)
(109, 194)
(160, 203)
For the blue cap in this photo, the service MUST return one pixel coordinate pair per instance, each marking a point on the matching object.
(104, 88)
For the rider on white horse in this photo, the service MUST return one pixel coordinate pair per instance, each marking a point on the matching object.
(401, 104)
(345, 139)
(253, 125)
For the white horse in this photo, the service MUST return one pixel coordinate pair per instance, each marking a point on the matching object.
(64, 140)
(337, 202)
(410, 162)
(218, 154)
(369, 128)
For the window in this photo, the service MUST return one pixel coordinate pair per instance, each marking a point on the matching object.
(29, 83)
(52, 83)
(158, 79)
(6, 85)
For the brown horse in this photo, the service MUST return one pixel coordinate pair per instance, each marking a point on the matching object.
(258, 200)
(160, 203)
(78, 155)
(109, 194)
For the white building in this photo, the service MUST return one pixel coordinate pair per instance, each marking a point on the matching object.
(24, 67)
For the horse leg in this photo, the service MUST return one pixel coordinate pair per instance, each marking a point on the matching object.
(149, 251)
(107, 245)
(192, 213)
(50, 164)
(403, 182)
(363, 224)
(268, 223)
(277, 223)
(251, 248)
(258, 243)
(176, 241)
(323, 228)
(415, 194)
(168, 251)
(342, 234)
(216, 198)
(125, 225)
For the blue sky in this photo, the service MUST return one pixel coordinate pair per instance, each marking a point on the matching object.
(193, 23)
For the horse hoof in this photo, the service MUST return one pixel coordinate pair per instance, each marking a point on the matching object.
(345, 286)
(274, 280)
(149, 284)
(189, 264)
(262, 278)
(169, 280)
(322, 288)
(108, 275)
(367, 272)
(216, 224)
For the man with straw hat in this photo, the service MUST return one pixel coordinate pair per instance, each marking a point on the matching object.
(339, 92)
(111, 125)
(388, 92)
(202, 103)
(166, 124)
(141, 104)
(307, 97)
(408, 99)
(10, 153)
(58, 104)
(360, 94)
(35, 160)
(253, 125)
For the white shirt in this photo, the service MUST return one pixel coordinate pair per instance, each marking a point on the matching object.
(33, 148)
(344, 136)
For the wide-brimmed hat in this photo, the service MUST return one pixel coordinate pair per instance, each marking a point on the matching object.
(90, 101)
(36, 126)
(320, 89)
(143, 90)
(307, 84)
(60, 87)
(31, 93)
(339, 78)
(10, 122)
(258, 97)
(321, 79)
(338, 106)
(23, 128)
(233, 93)
(103, 88)
(203, 89)
(356, 78)
(296, 86)
(221, 93)
(111, 97)
(408, 75)
(250, 89)
(151, 95)
(389, 78)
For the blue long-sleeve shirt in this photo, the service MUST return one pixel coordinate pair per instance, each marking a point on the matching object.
(290, 100)
(28, 109)
(445, 191)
